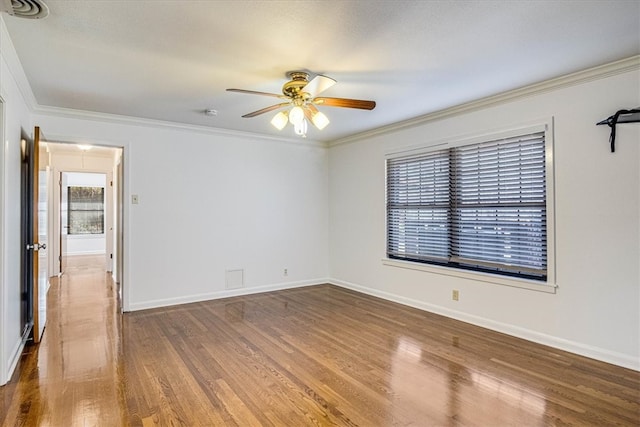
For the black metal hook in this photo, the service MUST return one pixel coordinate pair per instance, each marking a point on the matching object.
(612, 121)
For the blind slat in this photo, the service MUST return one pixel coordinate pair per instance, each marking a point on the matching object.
(480, 206)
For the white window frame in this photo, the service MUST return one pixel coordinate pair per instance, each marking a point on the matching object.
(543, 125)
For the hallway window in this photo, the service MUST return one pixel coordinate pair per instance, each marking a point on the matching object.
(85, 210)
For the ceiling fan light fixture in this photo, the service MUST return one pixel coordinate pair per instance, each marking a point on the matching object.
(301, 97)
(301, 128)
(296, 115)
(280, 120)
(320, 120)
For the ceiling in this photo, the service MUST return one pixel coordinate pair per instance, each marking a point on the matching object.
(171, 60)
(81, 149)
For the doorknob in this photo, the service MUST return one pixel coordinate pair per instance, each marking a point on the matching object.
(36, 247)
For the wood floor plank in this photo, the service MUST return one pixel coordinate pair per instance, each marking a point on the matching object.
(315, 356)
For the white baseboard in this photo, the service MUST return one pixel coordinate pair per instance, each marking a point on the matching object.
(14, 358)
(144, 305)
(604, 355)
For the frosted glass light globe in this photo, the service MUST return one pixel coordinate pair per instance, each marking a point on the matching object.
(296, 115)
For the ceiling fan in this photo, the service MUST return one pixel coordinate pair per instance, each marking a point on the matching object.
(301, 95)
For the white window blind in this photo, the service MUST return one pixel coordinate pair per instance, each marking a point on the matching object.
(85, 210)
(479, 206)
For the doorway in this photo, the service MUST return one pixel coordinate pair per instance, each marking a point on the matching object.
(86, 208)
(83, 220)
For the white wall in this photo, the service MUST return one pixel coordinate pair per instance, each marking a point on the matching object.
(596, 309)
(211, 202)
(90, 244)
(16, 118)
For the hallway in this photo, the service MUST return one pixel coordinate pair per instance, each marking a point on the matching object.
(72, 377)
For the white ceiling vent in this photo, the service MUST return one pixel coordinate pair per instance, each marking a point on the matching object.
(32, 9)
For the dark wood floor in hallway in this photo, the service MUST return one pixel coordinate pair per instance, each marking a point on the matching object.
(72, 377)
(314, 356)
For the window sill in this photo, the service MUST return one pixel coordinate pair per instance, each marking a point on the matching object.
(475, 275)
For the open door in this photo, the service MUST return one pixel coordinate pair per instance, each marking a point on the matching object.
(42, 231)
(36, 212)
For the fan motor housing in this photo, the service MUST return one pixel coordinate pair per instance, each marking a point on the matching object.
(293, 88)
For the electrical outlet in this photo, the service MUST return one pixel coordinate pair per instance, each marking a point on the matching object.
(455, 295)
(285, 272)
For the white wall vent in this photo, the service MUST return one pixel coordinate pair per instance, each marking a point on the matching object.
(235, 279)
(31, 9)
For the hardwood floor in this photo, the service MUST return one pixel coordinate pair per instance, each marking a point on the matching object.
(311, 356)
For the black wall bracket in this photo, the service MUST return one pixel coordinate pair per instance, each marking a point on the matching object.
(621, 116)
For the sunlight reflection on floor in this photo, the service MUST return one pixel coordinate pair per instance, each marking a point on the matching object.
(421, 379)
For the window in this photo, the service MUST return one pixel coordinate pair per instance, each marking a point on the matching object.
(85, 210)
(479, 206)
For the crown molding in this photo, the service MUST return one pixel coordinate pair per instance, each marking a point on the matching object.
(167, 125)
(595, 73)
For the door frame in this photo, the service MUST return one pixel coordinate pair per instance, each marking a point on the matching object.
(122, 235)
(3, 281)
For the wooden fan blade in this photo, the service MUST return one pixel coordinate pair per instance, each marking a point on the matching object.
(266, 110)
(308, 115)
(346, 103)
(318, 84)
(253, 92)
